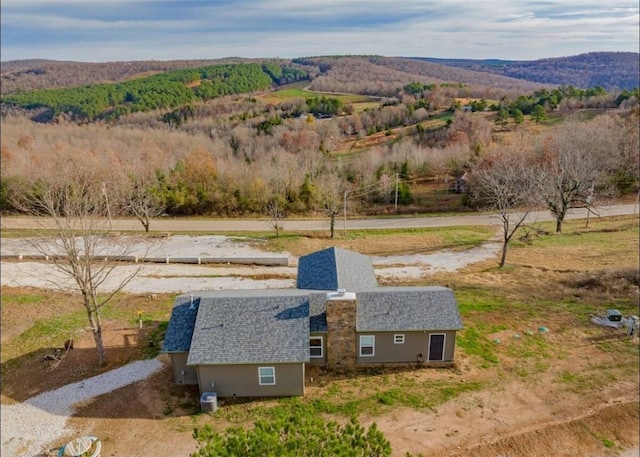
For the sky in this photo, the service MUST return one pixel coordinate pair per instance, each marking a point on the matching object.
(113, 30)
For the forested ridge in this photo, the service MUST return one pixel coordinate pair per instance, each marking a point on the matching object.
(27, 75)
(611, 70)
(165, 90)
(237, 139)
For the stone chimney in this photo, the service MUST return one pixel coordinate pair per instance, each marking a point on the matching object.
(341, 330)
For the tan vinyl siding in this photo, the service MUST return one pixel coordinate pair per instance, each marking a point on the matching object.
(179, 364)
(386, 351)
(243, 380)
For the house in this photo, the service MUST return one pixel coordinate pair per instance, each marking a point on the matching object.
(461, 184)
(257, 343)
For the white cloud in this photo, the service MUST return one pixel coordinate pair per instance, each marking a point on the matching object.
(183, 29)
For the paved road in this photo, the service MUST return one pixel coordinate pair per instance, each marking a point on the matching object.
(230, 225)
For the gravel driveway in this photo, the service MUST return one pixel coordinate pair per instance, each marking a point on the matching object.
(29, 428)
(179, 278)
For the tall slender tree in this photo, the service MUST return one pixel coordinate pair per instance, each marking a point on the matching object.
(70, 202)
(331, 191)
(505, 183)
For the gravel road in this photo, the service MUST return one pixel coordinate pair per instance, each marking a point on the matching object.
(230, 225)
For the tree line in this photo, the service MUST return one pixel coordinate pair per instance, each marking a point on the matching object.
(243, 173)
(582, 165)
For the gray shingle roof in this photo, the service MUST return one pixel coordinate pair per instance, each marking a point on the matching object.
(318, 312)
(407, 309)
(336, 268)
(177, 338)
(267, 326)
(272, 326)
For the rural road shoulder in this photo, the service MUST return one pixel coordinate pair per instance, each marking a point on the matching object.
(232, 225)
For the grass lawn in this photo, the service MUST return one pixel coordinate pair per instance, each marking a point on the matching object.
(526, 329)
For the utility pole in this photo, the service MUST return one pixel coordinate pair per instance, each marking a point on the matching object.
(633, 220)
(396, 205)
(106, 198)
(344, 213)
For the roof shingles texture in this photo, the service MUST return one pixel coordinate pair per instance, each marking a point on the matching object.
(407, 309)
(237, 328)
(177, 338)
(273, 326)
(336, 268)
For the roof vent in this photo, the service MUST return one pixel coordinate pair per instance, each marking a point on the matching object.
(341, 292)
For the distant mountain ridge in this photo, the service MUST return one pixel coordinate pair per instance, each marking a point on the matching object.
(611, 70)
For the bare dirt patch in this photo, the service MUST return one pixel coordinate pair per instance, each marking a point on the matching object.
(373, 245)
(534, 417)
(566, 392)
(30, 374)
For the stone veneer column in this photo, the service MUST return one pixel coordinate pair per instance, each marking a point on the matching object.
(341, 330)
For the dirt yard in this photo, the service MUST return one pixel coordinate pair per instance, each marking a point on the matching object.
(580, 401)
(513, 417)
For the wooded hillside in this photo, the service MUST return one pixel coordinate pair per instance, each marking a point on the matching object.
(235, 139)
(611, 70)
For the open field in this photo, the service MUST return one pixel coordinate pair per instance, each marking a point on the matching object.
(514, 390)
(291, 93)
(298, 91)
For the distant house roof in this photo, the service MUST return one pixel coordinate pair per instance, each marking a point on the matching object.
(407, 309)
(336, 268)
(261, 326)
(177, 338)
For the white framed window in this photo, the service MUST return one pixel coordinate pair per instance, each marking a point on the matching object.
(398, 338)
(367, 345)
(267, 376)
(316, 349)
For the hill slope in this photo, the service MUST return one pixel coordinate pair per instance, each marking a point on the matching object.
(342, 72)
(611, 70)
(378, 75)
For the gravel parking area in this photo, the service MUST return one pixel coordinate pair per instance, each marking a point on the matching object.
(180, 278)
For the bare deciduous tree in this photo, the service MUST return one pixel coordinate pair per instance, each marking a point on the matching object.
(277, 215)
(72, 205)
(571, 165)
(139, 199)
(331, 192)
(505, 183)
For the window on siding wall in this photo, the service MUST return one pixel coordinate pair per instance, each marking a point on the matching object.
(315, 347)
(367, 345)
(267, 376)
(398, 338)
